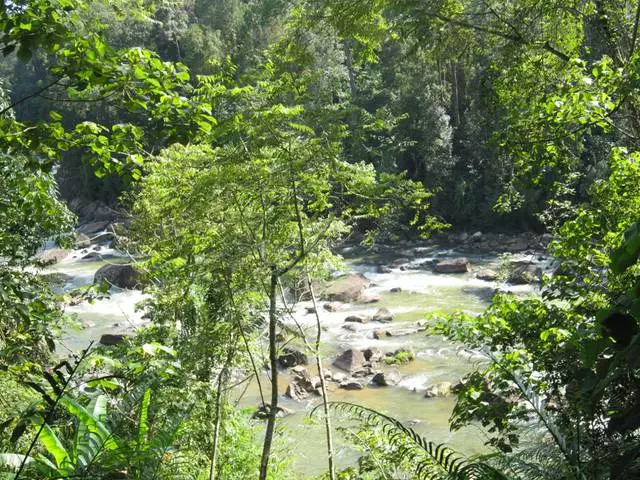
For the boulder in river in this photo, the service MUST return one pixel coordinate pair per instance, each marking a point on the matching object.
(371, 299)
(380, 334)
(383, 315)
(53, 255)
(358, 319)
(110, 339)
(123, 276)
(263, 411)
(331, 306)
(487, 275)
(92, 228)
(296, 391)
(524, 272)
(348, 288)
(456, 265)
(372, 354)
(352, 385)
(290, 357)
(387, 379)
(400, 357)
(82, 241)
(57, 279)
(350, 360)
(442, 389)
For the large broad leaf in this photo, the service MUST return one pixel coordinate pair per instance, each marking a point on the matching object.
(55, 447)
(89, 438)
(628, 253)
(98, 437)
(143, 424)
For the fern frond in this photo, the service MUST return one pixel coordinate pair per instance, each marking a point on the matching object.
(432, 461)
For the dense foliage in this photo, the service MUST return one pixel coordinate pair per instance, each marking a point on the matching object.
(251, 137)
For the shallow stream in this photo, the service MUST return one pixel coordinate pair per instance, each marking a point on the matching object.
(421, 291)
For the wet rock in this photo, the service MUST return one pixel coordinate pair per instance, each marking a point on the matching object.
(372, 299)
(395, 290)
(88, 324)
(123, 276)
(400, 261)
(348, 288)
(456, 265)
(357, 319)
(487, 275)
(442, 389)
(350, 360)
(401, 332)
(381, 334)
(384, 269)
(400, 357)
(110, 339)
(383, 315)
(331, 307)
(290, 357)
(476, 237)
(524, 272)
(82, 241)
(310, 310)
(352, 327)
(363, 372)
(372, 354)
(296, 391)
(338, 377)
(352, 385)
(92, 228)
(263, 411)
(53, 255)
(56, 278)
(328, 374)
(387, 379)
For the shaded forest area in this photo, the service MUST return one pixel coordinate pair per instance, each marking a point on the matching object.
(247, 142)
(436, 108)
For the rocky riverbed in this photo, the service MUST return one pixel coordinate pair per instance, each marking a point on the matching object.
(374, 349)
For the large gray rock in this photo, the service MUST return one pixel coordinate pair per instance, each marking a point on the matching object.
(357, 319)
(290, 357)
(263, 411)
(524, 272)
(487, 275)
(372, 354)
(352, 385)
(348, 288)
(92, 228)
(383, 315)
(82, 241)
(331, 307)
(456, 265)
(350, 360)
(110, 339)
(53, 255)
(123, 276)
(441, 389)
(387, 379)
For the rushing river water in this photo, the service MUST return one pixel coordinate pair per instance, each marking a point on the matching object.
(421, 291)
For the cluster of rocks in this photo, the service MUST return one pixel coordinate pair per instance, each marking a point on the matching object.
(383, 315)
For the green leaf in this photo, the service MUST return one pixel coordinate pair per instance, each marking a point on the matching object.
(54, 446)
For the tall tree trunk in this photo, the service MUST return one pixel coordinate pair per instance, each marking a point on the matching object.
(348, 60)
(222, 381)
(273, 357)
(323, 386)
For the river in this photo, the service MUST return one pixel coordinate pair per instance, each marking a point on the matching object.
(421, 291)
